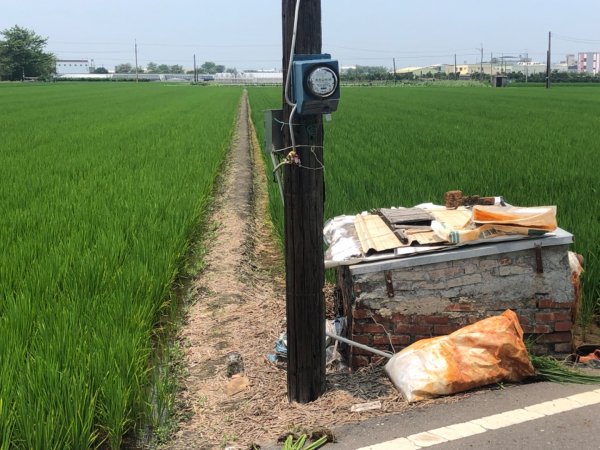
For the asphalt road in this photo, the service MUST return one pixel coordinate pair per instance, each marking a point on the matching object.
(577, 428)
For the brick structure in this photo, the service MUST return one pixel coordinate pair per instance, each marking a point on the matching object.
(398, 301)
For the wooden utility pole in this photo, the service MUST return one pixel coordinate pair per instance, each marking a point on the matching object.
(481, 64)
(454, 77)
(303, 193)
(548, 55)
(195, 71)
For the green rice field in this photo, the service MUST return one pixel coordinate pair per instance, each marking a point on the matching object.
(404, 146)
(102, 187)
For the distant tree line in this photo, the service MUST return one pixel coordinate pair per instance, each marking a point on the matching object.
(367, 73)
(208, 67)
(555, 77)
(22, 55)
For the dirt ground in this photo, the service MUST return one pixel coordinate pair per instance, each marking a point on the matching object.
(239, 306)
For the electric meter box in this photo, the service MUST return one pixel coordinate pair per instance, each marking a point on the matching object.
(315, 84)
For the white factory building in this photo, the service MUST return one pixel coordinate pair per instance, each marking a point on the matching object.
(77, 66)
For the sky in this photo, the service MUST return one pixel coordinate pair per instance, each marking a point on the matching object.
(247, 34)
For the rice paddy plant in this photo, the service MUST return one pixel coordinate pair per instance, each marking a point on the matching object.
(260, 100)
(401, 147)
(102, 187)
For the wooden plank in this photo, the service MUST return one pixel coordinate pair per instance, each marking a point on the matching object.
(416, 216)
(456, 218)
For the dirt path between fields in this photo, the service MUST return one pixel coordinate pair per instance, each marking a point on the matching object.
(239, 306)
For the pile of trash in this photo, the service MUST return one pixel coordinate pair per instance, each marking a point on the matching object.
(397, 232)
(489, 351)
(334, 328)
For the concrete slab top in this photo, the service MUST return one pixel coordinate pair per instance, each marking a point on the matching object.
(491, 247)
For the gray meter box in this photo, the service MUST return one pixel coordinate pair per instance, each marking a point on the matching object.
(315, 84)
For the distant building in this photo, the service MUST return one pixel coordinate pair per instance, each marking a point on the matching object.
(588, 62)
(261, 76)
(497, 67)
(500, 81)
(66, 66)
(421, 71)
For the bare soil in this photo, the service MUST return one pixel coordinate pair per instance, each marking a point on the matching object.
(240, 307)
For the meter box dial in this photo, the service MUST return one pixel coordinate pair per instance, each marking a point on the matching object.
(315, 84)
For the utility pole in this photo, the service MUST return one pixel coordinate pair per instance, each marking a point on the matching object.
(394, 61)
(195, 73)
(491, 69)
(136, 62)
(303, 193)
(481, 63)
(454, 77)
(548, 70)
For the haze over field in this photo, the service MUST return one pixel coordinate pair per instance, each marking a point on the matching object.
(246, 34)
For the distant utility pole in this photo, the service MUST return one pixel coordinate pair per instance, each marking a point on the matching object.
(195, 73)
(454, 67)
(548, 55)
(481, 63)
(394, 61)
(303, 193)
(136, 62)
(491, 68)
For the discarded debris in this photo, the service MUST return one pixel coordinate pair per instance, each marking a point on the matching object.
(593, 356)
(551, 369)
(359, 407)
(333, 329)
(281, 345)
(486, 352)
(399, 232)
(235, 364)
(237, 384)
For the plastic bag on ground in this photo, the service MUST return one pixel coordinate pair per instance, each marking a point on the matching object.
(489, 351)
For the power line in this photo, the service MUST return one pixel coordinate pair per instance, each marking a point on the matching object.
(163, 44)
(575, 39)
(374, 49)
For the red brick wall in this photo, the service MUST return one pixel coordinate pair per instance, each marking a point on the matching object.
(374, 322)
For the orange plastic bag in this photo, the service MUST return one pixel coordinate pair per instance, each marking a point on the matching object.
(486, 352)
